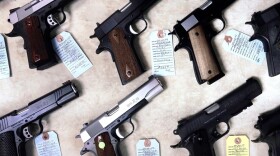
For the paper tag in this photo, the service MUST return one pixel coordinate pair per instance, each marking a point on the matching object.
(71, 54)
(47, 144)
(147, 147)
(4, 62)
(238, 145)
(161, 45)
(238, 43)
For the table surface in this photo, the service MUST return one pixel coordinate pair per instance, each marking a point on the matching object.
(101, 88)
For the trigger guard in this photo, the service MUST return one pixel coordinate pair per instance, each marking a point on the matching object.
(130, 121)
(224, 24)
(212, 31)
(64, 15)
(53, 22)
(131, 30)
(124, 137)
(29, 132)
(263, 39)
(217, 134)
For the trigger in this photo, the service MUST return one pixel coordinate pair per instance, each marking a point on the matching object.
(54, 19)
(221, 129)
(119, 133)
(126, 133)
(138, 29)
(132, 30)
(51, 21)
(31, 130)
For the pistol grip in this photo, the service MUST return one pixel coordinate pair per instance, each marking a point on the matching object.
(124, 56)
(273, 56)
(201, 145)
(109, 148)
(8, 145)
(273, 141)
(206, 65)
(38, 44)
(271, 44)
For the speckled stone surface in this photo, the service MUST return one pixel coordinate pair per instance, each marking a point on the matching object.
(101, 88)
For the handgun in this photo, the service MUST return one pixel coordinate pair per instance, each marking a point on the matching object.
(199, 132)
(195, 34)
(268, 125)
(116, 35)
(34, 23)
(20, 126)
(102, 136)
(266, 25)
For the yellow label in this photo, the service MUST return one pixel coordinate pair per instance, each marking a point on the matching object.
(238, 145)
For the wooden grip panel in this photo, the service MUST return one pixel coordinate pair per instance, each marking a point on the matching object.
(36, 45)
(208, 67)
(126, 61)
(104, 146)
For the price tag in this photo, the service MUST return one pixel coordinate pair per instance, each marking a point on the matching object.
(71, 54)
(238, 145)
(148, 147)
(47, 144)
(161, 45)
(4, 62)
(238, 43)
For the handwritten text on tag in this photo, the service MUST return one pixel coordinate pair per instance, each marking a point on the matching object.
(161, 45)
(71, 54)
(4, 62)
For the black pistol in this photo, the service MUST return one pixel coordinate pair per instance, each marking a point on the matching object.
(19, 126)
(199, 132)
(269, 126)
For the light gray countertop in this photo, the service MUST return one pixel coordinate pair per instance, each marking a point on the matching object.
(101, 88)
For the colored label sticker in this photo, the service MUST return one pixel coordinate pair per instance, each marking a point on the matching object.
(238, 145)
